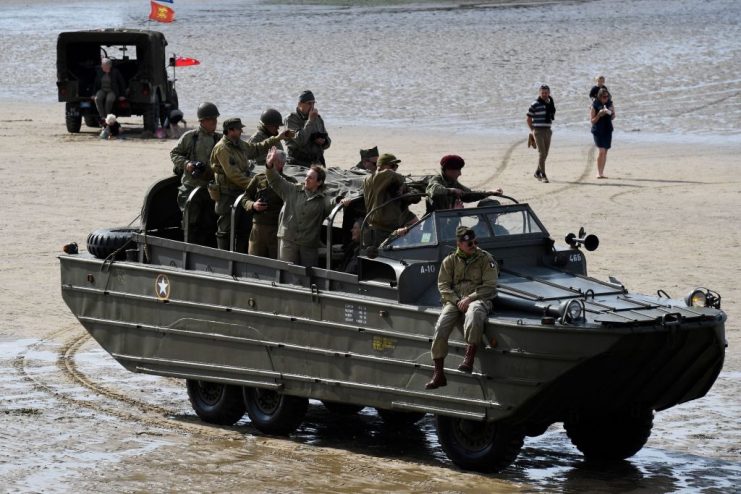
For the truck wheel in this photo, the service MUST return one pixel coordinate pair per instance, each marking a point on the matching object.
(92, 120)
(479, 446)
(342, 408)
(105, 241)
(74, 123)
(274, 413)
(216, 403)
(151, 116)
(396, 418)
(612, 437)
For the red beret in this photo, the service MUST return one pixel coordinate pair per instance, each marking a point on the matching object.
(452, 162)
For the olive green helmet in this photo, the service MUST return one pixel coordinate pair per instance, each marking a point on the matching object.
(271, 116)
(207, 110)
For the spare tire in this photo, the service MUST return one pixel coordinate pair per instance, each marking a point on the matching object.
(105, 241)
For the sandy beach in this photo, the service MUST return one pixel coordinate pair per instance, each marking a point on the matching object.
(73, 420)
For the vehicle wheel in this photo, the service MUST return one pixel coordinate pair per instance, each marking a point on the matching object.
(105, 241)
(395, 418)
(274, 413)
(342, 408)
(74, 123)
(610, 437)
(152, 115)
(479, 446)
(216, 403)
(174, 103)
(92, 120)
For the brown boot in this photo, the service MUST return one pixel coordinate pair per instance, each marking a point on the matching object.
(467, 365)
(438, 376)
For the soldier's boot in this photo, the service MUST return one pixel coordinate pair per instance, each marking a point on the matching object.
(222, 242)
(438, 376)
(467, 364)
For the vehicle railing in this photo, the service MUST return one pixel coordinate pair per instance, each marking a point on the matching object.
(233, 231)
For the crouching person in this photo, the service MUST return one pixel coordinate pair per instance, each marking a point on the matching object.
(467, 283)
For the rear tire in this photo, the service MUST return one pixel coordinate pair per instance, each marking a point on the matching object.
(152, 115)
(274, 413)
(610, 437)
(480, 446)
(105, 241)
(74, 123)
(216, 403)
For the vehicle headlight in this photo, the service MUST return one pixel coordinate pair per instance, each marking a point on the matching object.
(572, 311)
(702, 297)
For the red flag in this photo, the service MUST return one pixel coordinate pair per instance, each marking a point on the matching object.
(185, 62)
(160, 13)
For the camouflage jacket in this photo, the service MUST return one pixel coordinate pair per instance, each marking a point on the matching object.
(303, 211)
(260, 136)
(377, 189)
(442, 198)
(474, 276)
(230, 161)
(194, 145)
(259, 187)
(302, 150)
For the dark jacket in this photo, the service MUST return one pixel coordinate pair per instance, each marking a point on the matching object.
(118, 84)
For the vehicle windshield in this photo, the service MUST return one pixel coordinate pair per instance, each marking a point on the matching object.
(441, 227)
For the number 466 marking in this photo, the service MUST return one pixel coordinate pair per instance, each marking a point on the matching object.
(575, 258)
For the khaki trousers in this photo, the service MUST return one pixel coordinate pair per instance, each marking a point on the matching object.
(450, 318)
(298, 254)
(543, 141)
(264, 241)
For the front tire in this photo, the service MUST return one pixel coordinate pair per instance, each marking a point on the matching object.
(479, 446)
(92, 120)
(610, 437)
(274, 413)
(216, 403)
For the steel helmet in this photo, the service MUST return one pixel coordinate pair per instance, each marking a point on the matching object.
(271, 116)
(207, 110)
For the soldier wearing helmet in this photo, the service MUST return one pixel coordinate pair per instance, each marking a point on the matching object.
(444, 190)
(190, 158)
(311, 139)
(230, 163)
(270, 122)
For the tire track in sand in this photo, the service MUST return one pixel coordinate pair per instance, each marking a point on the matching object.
(548, 194)
(503, 164)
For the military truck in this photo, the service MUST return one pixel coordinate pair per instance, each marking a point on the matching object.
(265, 336)
(138, 55)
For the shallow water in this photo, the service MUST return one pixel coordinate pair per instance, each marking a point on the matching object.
(672, 66)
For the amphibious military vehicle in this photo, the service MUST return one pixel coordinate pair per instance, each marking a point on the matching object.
(264, 336)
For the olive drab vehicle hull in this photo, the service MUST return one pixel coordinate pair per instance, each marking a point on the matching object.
(139, 56)
(262, 335)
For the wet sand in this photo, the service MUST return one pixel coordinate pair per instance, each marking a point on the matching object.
(74, 420)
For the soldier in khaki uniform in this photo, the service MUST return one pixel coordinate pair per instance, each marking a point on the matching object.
(368, 160)
(467, 283)
(190, 158)
(378, 189)
(270, 122)
(230, 164)
(311, 140)
(444, 190)
(265, 206)
(305, 208)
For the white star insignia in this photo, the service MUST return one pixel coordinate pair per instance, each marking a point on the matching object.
(163, 286)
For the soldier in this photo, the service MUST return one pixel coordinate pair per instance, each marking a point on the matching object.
(311, 139)
(378, 189)
(467, 283)
(270, 122)
(368, 160)
(265, 206)
(305, 208)
(444, 190)
(190, 158)
(229, 162)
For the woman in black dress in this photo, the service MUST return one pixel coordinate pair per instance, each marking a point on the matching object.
(602, 115)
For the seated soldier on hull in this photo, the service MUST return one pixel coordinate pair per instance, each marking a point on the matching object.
(467, 283)
(265, 205)
(385, 216)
